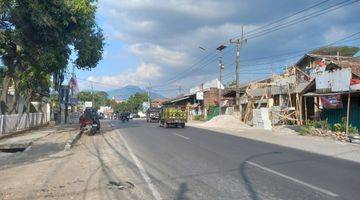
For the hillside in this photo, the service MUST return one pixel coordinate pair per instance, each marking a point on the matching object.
(125, 92)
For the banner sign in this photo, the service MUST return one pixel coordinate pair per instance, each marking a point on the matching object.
(73, 101)
(332, 101)
(199, 96)
(88, 104)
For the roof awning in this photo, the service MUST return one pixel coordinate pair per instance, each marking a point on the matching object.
(313, 94)
(180, 99)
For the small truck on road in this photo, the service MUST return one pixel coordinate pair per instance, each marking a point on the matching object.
(170, 116)
(153, 115)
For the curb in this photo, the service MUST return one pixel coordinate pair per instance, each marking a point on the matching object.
(72, 141)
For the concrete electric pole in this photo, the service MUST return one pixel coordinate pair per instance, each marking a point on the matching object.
(92, 95)
(221, 67)
(239, 43)
(148, 92)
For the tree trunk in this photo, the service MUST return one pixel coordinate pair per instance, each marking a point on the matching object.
(14, 106)
(4, 92)
(28, 101)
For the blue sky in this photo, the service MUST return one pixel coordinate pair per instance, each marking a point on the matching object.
(156, 41)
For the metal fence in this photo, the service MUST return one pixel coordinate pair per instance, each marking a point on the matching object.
(19, 122)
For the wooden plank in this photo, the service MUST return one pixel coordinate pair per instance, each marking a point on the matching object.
(348, 114)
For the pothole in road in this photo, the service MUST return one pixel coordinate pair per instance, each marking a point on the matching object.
(120, 185)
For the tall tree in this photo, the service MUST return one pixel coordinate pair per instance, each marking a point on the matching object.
(99, 98)
(38, 36)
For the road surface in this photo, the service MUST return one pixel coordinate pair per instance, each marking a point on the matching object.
(194, 163)
(151, 162)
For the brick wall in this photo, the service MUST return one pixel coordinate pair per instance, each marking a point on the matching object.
(211, 97)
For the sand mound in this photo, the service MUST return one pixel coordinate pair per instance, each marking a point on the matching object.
(225, 121)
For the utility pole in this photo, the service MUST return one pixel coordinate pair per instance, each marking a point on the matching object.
(239, 43)
(92, 95)
(221, 67)
(148, 93)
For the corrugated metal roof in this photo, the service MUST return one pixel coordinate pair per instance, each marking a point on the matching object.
(357, 54)
(341, 61)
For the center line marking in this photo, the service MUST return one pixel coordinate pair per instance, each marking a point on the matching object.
(186, 138)
(142, 170)
(294, 179)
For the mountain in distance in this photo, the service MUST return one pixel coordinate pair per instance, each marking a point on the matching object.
(125, 92)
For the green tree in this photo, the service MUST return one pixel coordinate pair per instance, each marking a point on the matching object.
(133, 104)
(343, 50)
(100, 98)
(38, 37)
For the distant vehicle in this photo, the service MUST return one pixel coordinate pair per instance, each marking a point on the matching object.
(141, 114)
(135, 115)
(101, 116)
(172, 117)
(153, 115)
(125, 116)
(89, 121)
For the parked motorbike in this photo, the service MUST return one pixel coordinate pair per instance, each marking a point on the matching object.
(89, 122)
(90, 128)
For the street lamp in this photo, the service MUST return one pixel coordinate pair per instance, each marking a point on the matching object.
(221, 67)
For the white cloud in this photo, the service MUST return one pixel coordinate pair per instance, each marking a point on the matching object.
(157, 53)
(167, 33)
(335, 33)
(141, 76)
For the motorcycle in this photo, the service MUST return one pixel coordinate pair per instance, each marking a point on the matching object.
(89, 123)
(124, 118)
(90, 127)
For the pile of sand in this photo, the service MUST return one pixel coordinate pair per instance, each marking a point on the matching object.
(225, 121)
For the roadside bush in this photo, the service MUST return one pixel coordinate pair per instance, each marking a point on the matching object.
(306, 130)
(337, 127)
(318, 124)
(200, 118)
(341, 127)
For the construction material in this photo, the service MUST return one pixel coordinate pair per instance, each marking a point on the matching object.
(348, 114)
(225, 121)
(261, 118)
(339, 136)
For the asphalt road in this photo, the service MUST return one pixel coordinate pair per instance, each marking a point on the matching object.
(139, 160)
(193, 163)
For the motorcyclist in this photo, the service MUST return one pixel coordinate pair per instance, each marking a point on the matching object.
(125, 116)
(89, 116)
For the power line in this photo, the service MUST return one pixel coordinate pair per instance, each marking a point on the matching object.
(284, 18)
(301, 19)
(263, 32)
(181, 76)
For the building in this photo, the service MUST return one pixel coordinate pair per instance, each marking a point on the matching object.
(336, 91)
(199, 99)
(157, 103)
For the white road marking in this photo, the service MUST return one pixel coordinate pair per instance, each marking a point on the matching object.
(143, 173)
(186, 138)
(294, 179)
